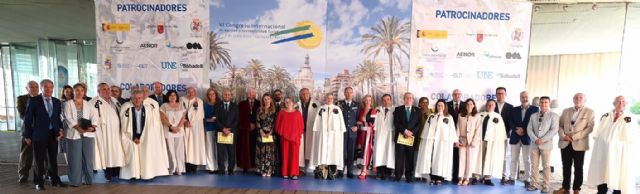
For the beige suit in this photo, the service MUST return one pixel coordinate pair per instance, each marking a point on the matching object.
(579, 131)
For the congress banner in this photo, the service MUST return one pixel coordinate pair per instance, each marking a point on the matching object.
(142, 41)
(474, 46)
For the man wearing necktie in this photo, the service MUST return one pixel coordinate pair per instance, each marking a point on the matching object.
(454, 107)
(227, 124)
(277, 99)
(350, 110)
(157, 95)
(43, 130)
(406, 119)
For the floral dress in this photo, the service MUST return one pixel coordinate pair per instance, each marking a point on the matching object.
(265, 152)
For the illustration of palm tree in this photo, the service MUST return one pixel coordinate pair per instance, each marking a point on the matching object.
(218, 54)
(278, 77)
(389, 36)
(369, 72)
(256, 70)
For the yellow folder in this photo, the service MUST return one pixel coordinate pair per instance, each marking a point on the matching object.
(268, 139)
(405, 141)
(225, 140)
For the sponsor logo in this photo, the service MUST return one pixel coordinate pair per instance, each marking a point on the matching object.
(465, 54)
(107, 63)
(123, 66)
(512, 55)
(170, 45)
(116, 27)
(484, 75)
(516, 35)
(148, 45)
(160, 28)
(480, 36)
(191, 66)
(194, 45)
(508, 76)
(457, 75)
(169, 65)
(196, 25)
(142, 66)
(434, 48)
(420, 72)
(436, 75)
(489, 55)
(432, 34)
(307, 34)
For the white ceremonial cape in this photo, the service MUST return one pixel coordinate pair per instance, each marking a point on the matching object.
(496, 139)
(384, 146)
(329, 129)
(613, 160)
(149, 158)
(306, 141)
(108, 144)
(194, 137)
(438, 136)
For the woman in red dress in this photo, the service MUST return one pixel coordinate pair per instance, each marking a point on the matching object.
(365, 135)
(290, 126)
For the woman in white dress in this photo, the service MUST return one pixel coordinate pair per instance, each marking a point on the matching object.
(436, 148)
(172, 115)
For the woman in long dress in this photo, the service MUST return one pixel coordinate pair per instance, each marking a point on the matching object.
(438, 138)
(172, 115)
(366, 119)
(265, 150)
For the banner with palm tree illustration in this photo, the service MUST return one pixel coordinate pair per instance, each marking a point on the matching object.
(322, 45)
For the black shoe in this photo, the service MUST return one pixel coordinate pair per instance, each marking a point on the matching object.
(474, 181)
(526, 184)
(22, 180)
(488, 182)
(410, 180)
(58, 184)
(39, 187)
(397, 179)
(350, 176)
(231, 172)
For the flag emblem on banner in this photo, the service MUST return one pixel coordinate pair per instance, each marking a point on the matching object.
(307, 34)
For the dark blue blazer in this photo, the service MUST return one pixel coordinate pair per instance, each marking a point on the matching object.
(350, 115)
(515, 120)
(37, 120)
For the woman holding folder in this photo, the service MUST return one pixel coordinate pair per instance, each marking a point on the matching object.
(265, 147)
(80, 119)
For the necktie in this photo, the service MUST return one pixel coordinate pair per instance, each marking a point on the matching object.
(617, 116)
(159, 97)
(226, 107)
(408, 113)
(49, 110)
(348, 104)
(386, 110)
(250, 107)
(457, 109)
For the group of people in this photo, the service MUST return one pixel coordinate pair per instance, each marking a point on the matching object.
(158, 134)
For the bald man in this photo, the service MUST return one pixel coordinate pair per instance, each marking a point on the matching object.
(157, 95)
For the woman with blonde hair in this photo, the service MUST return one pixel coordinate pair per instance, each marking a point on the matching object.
(366, 118)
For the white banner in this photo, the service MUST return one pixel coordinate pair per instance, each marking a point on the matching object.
(474, 46)
(142, 41)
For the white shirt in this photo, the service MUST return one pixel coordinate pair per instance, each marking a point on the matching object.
(138, 118)
(500, 106)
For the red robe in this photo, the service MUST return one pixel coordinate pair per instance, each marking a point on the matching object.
(365, 137)
(245, 150)
(290, 126)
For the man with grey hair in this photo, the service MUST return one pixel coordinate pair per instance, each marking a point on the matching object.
(26, 155)
(247, 136)
(157, 95)
(576, 123)
(406, 119)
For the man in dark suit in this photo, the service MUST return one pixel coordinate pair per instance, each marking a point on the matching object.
(247, 136)
(454, 107)
(157, 95)
(518, 138)
(43, 130)
(350, 111)
(406, 119)
(26, 153)
(504, 109)
(277, 99)
(227, 123)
